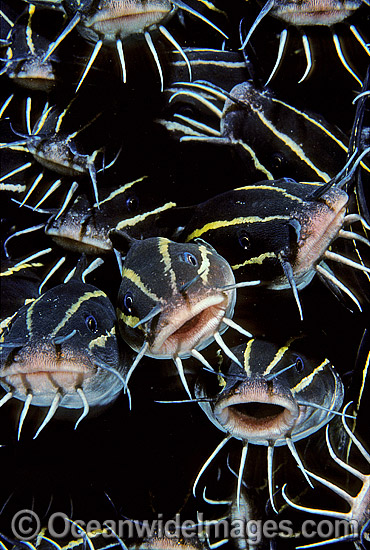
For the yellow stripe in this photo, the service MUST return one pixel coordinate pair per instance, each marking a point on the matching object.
(289, 142)
(204, 266)
(163, 245)
(256, 260)
(121, 190)
(313, 121)
(12, 270)
(134, 277)
(308, 379)
(141, 217)
(247, 356)
(129, 320)
(100, 341)
(74, 307)
(272, 188)
(364, 376)
(227, 223)
(29, 40)
(277, 357)
(29, 315)
(257, 163)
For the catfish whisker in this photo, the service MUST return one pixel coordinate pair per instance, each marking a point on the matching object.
(197, 355)
(343, 60)
(330, 277)
(359, 446)
(52, 410)
(360, 39)
(183, 288)
(210, 501)
(314, 405)
(310, 510)
(359, 96)
(270, 456)
(5, 104)
(85, 403)
(264, 11)
(226, 349)
(243, 284)
(282, 44)
(121, 55)
(61, 339)
(199, 125)
(51, 273)
(297, 458)
(243, 459)
(201, 99)
(155, 311)
(154, 53)
(269, 377)
(116, 373)
(6, 398)
(288, 271)
(207, 87)
(16, 171)
(194, 400)
(93, 56)
(180, 4)
(353, 218)
(209, 460)
(346, 261)
(34, 256)
(353, 236)
(68, 198)
(71, 25)
(90, 268)
(51, 190)
(32, 188)
(307, 51)
(138, 358)
(237, 327)
(20, 232)
(24, 412)
(180, 370)
(172, 41)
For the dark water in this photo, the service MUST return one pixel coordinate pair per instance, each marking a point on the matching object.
(142, 463)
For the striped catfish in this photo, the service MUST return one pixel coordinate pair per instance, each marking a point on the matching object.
(279, 395)
(309, 13)
(114, 23)
(277, 232)
(174, 299)
(273, 138)
(61, 350)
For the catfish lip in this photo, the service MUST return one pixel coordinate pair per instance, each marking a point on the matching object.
(42, 372)
(256, 410)
(312, 12)
(185, 324)
(319, 230)
(115, 15)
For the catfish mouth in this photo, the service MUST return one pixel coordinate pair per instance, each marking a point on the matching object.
(185, 326)
(320, 230)
(118, 18)
(325, 12)
(255, 412)
(43, 374)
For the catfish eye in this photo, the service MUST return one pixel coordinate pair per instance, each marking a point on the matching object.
(128, 302)
(299, 364)
(277, 161)
(244, 240)
(91, 323)
(190, 259)
(132, 204)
